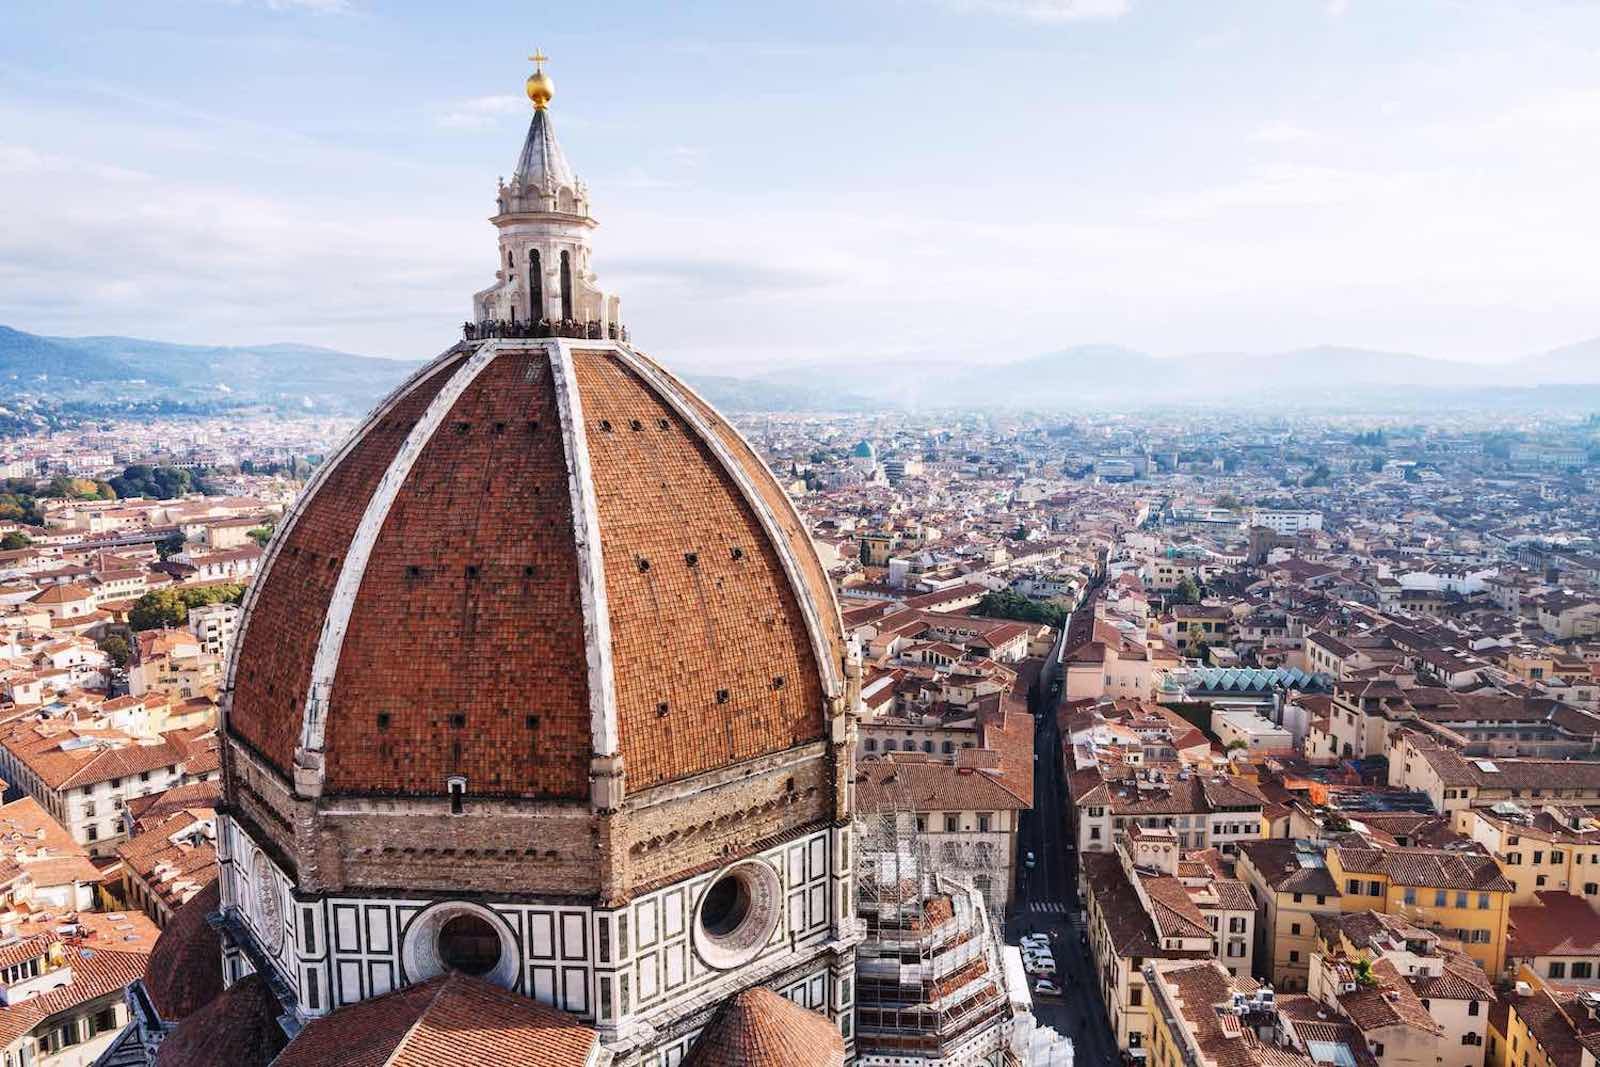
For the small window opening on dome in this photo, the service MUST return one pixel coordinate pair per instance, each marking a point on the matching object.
(383, 720)
(636, 425)
(644, 565)
(333, 561)
(533, 722)
(736, 552)
(533, 425)
(472, 570)
(605, 425)
(458, 720)
(463, 427)
(527, 570)
(499, 428)
(663, 424)
(413, 571)
(692, 558)
(777, 681)
(457, 787)
(722, 696)
(662, 709)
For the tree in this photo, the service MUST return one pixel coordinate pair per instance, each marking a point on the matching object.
(1010, 604)
(197, 596)
(158, 609)
(78, 489)
(1188, 592)
(160, 483)
(15, 540)
(116, 647)
(170, 545)
(262, 534)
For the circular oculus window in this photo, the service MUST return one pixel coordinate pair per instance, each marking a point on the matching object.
(459, 936)
(737, 913)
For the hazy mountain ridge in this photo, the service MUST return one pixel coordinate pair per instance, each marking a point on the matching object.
(127, 369)
(307, 377)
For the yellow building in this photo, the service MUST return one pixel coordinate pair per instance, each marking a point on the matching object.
(1423, 1003)
(876, 548)
(1541, 850)
(1203, 1017)
(1461, 895)
(1149, 901)
(1292, 886)
(1547, 1024)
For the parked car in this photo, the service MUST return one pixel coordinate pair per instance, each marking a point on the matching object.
(1035, 941)
(1046, 988)
(1028, 861)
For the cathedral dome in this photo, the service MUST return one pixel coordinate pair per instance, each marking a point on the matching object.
(534, 557)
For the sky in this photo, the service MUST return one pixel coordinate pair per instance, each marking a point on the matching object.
(872, 182)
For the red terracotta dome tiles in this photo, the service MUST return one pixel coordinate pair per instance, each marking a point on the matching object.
(700, 638)
(279, 644)
(466, 636)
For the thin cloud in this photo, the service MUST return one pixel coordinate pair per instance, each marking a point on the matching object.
(480, 112)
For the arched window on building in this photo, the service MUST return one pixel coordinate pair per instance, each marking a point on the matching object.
(927, 746)
(872, 744)
(566, 284)
(535, 286)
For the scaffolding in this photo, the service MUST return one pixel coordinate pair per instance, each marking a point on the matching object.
(929, 979)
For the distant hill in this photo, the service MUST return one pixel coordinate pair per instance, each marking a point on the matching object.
(292, 377)
(125, 373)
(108, 370)
(1113, 376)
(743, 394)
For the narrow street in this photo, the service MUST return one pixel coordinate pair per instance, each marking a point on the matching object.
(1046, 898)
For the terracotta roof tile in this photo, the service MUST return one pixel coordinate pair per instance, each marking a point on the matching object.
(446, 1021)
(758, 1028)
(236, 1029)
(286, 605)
(185, 971)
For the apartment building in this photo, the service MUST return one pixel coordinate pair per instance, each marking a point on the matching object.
(1148, 900)
(1290, 883)
(1461, 895)
(1541, 849)
(1203, 810)
(84, 777)
(1419, 760)
(1412, 997)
